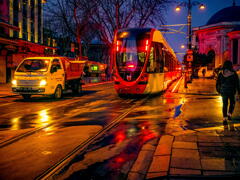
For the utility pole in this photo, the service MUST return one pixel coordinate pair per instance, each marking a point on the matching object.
(189, 53)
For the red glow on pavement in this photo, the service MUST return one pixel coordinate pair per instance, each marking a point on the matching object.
(120, 160)
(120, 136)
(149, 136)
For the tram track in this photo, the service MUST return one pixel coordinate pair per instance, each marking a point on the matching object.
(47, 174)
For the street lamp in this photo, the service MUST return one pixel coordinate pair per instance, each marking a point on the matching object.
(189, 54)
(182, 46)
(189, 6)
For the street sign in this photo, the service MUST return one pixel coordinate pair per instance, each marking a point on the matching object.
(189, 55)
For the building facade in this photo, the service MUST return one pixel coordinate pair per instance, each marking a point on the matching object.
(21, 34)
(220, 37)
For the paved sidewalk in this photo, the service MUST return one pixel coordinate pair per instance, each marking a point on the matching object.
(199, 86)
(207, 153)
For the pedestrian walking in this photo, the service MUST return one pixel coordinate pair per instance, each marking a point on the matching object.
(227, 85)
(204, 72)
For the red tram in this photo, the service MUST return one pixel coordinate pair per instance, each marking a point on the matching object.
(143, 62)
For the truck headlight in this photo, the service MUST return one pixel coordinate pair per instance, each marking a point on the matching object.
(14, 82)
(43, 82)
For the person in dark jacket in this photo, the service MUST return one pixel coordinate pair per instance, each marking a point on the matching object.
(227, 85)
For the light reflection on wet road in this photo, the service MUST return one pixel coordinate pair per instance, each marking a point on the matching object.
(78, 118)
(159, 116)
(73, 123)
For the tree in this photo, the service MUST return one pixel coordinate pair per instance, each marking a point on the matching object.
(112, 15)
(104, 17)
(70, 18)
(116, 14)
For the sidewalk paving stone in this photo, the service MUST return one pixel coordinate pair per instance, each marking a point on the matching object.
(163, 149)
(148, 147)
(159, 163)
(186, 132)
(205, 144)
(213, 164)
(220, 164)
(185, 163)
(178, 171)
(135, 176)
(166, 139)
(209, 139)
(186, 138)
(184, 145)
(185, 153)
(156, 175)
(143, 161)
(165, 145)
(230, 139)
(220, 173)
(208, 133)
(205, 153)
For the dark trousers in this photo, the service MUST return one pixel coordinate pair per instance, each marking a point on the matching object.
(225, 99)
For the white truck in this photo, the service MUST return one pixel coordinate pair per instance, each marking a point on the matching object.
(47, 76)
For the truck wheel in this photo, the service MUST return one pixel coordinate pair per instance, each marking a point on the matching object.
(77, 88)
(58, 92)
(26, 96)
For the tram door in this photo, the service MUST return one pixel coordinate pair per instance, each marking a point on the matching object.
(155, 69)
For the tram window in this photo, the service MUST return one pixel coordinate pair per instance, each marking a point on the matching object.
(156, 59)
(167, 61)
(159, 58)
(151, 67)
(141, 57)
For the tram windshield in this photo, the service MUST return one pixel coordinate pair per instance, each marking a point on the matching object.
(131, 51)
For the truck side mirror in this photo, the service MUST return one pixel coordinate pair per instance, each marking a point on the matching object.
(53, 69)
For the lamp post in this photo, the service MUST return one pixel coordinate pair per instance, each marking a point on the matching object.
(189, 53)
(189, 6)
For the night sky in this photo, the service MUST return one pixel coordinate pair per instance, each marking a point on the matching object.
(199, 18)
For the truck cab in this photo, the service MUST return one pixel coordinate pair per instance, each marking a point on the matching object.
(46, 76)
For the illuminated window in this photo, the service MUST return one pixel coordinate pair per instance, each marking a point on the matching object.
(94, 68)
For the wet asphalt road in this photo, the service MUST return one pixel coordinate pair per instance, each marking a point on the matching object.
(66, 123)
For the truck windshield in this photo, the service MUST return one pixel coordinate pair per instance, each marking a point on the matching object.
(34, 65)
